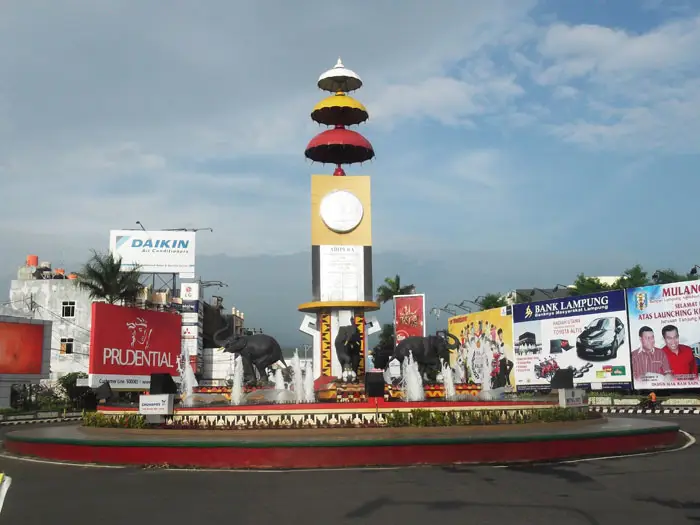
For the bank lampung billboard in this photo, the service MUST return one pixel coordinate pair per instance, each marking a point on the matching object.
(155, 251)
(409, 316)
(664, 330)
(127, 345)
(486, 346)
(587, 333)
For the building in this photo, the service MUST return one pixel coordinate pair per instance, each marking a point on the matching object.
(41, 292)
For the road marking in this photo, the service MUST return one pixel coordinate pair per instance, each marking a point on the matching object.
(59, 463)
(690, 443)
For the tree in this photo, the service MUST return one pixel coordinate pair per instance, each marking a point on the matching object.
(492, 300)
(71, 390)
(632, 278)
(103, 278)
(584, 285)
(386, 337)
(668, 276)
(392, 287)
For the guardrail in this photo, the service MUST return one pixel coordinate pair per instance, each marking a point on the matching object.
(39, 416)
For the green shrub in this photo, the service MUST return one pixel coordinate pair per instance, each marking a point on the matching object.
(98, 419)
(439, 418)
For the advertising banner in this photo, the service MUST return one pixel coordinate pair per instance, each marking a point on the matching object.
(587, 333)
(409, 316)
(156, 404)
(127, 345)
(486, 346)
(21, 348)
(155, 251)
(664, 330)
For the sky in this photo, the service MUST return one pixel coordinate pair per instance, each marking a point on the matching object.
(557, 137)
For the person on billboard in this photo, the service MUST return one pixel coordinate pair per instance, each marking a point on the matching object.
(648, 359)
(680, 357)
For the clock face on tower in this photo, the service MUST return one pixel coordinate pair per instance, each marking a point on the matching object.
(341, 211)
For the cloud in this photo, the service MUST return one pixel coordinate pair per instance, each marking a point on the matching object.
(640, 90)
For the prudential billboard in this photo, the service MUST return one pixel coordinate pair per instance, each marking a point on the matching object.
(155, 251)
(587, 333)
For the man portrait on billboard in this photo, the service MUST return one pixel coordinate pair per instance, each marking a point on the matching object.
(648, 359)
(680, 357)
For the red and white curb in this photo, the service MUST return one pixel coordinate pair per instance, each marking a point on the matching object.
(636, 410)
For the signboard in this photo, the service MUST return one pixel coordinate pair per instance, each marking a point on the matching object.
(155, 251)
(192, 318)
(342, 275)
(190, 291)
(486, 346)
(156, 404)
(127, 345)
(572, 397)
(664, 329)
(190, 332)
(22, 347)
(409, 316)
(587, 333)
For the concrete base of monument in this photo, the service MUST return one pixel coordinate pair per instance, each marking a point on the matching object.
(370, 413)
(344, 448)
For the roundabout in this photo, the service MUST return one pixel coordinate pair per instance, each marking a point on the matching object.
(344, 447)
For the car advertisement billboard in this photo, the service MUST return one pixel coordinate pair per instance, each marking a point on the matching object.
(155, 251)
(24, 347)
(486, 346)
(586, 333)
(664, 330)
(127, 345)
(409, 316)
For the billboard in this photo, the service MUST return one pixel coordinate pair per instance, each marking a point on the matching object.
(25, 347)
(664, 330)
(486, 346)
(155, 251)
(587, 333)
(409, 316)
(127, 345)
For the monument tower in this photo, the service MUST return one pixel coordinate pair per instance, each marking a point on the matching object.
(341, 227)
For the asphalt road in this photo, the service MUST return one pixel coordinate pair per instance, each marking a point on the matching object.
(654, 489)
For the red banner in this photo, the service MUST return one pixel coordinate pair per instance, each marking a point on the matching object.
(127, 345)
(409, 316)
(21, 348)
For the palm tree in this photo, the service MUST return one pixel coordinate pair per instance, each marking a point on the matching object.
(392, 287)
(103, 278)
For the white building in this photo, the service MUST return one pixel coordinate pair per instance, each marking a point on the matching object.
(53, 297)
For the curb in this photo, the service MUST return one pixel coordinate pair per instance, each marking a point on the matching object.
(35, 421)
(661, 411)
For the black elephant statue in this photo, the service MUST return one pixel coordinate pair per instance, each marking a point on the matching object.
(428, 352)
(258, 352)
(348, 347)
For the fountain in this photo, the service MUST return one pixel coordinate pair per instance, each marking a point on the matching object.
(188, 382)
(297, 378)
(448, 381)
(278, 379)
(411, 380)
(237, 381)
(309, 395)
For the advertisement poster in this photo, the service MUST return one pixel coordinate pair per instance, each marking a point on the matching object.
(155, 251)
(664, 332)
(21, 348)
(486, 346)
(127, 345)
(409, 316)
(587, 333)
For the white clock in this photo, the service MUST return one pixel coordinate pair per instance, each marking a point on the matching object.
(341, 211)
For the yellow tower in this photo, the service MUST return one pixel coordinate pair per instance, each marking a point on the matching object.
(341, 226)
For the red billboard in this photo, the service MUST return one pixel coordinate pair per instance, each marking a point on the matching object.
(127, 345)
(21, 348)
(409, 316)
